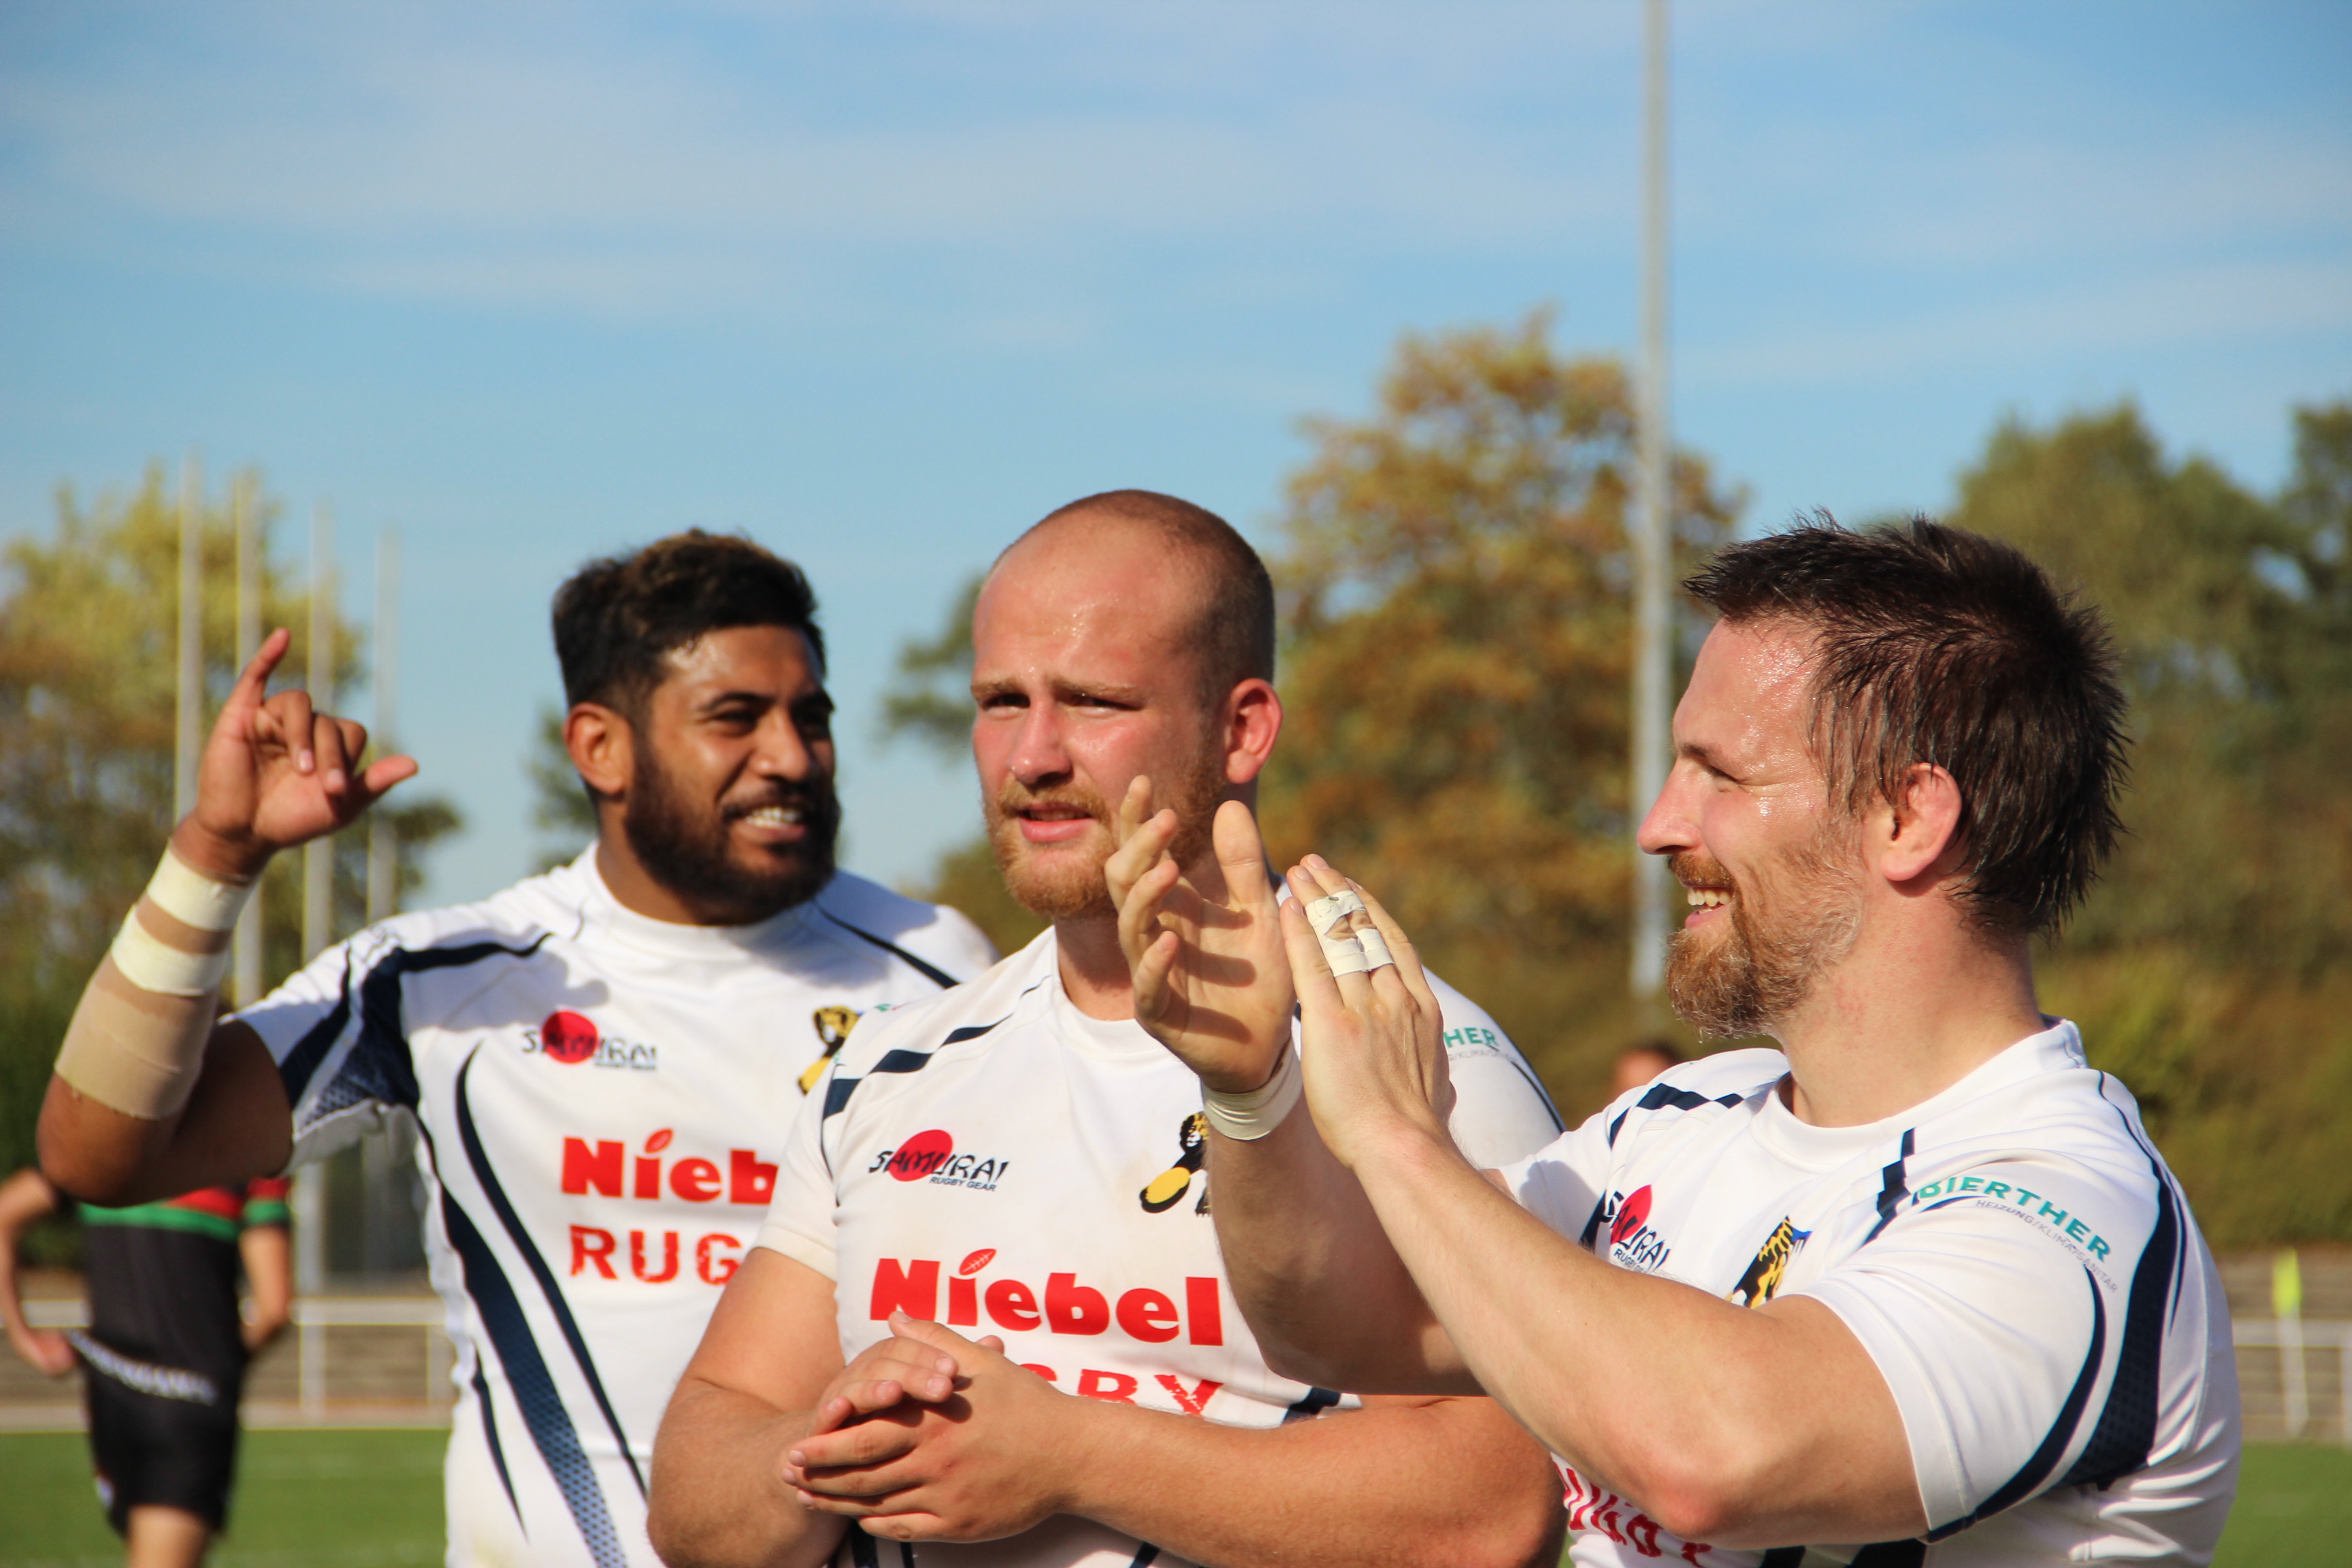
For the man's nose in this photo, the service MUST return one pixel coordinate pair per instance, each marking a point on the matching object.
(1670, 825)
(783, 752)
(1039, 754)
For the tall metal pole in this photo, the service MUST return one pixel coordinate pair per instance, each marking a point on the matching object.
(188, 712)
(319, 854)
(383, 864)
(309, 1198)
(1653, 552)
(245, 960)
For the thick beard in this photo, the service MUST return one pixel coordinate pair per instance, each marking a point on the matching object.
(1784, 930)
(1077, 888)
(688, 849)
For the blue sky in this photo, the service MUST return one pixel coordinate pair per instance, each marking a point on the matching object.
(881, 284)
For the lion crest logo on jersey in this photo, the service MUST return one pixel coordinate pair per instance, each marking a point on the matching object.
(1161, 1193)
(833, 1025)
(1766, 1270)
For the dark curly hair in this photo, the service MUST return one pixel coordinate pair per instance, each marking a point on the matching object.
(618, 618)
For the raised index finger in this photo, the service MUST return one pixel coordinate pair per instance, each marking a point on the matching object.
(253, 681)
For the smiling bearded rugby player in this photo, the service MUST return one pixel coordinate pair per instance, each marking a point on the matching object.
(1019, 1158)
(601, 1059)
(1915, 1291)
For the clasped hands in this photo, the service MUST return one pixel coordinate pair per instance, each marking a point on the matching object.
(929, 1435)
(1218, 964)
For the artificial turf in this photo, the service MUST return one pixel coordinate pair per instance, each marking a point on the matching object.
(340, 1499)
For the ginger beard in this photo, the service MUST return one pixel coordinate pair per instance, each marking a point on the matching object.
(1066, 881)
(1742, 974)
(689, 847)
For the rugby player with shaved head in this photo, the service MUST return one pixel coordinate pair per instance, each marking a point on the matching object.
(987, 1314)
(600, 1059)
(1914, 1288)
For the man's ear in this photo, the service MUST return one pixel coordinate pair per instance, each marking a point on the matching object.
(603, 746)
(1251, 721)
(1918, 833)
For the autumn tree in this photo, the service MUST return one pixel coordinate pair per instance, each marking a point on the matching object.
(1455, 664)
(88, 659)
(2210, 966)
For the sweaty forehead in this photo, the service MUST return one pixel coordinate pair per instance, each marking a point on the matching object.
(1748, 694)
(1105, 585)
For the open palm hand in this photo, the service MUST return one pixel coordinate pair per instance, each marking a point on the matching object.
(1203, 943)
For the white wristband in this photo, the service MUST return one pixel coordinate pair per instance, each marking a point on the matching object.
(192, 899)
(1252, 1116)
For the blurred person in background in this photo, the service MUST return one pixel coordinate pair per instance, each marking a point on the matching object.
(1915, 1291)
(1639, 1065)
(164, 1356)
(601, 1059)
(1020, 1148)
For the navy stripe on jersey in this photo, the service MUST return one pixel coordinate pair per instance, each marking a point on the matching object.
(2126, 1427)
(1892, 1189)
(2028, 1481)
(1543, 1096)
(837, 1091)
(534, 1389)
(862, 1550)
(515, 1233)
(1660, 1097)
(490, 1432)
(1783, 1557)
(932, 972)
(1892, 1554)
(1145, 1556)
(1317, 1400)
(378, 1067)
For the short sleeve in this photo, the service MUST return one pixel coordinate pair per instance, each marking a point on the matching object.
(1995, 1325)
(344, 1065)
(1564, 1182)
(800, 1222)
(1501, 1112)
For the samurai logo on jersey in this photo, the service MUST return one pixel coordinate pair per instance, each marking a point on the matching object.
(930, 1156)
(572, 1038)
(1764, 1272)
(1632, 1243)
(1161, 1193)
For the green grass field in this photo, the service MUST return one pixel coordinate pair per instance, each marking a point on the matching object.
(366, 1499)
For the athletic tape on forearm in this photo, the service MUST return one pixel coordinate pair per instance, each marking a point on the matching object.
(1341, 949)
(137, 1039)
(175, 940)
(1252, 1116)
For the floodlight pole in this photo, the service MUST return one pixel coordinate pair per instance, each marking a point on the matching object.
(244, 961)
(1653, 552)
(188, 713)
(383, 863)
(319, 854)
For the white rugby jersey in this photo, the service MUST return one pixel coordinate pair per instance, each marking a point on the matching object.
(995, 1160)
(603, 1099)
(2014, 1254)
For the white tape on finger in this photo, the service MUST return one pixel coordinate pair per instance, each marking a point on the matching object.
(1324, 914)
(1375, 948)
(1341, 949)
